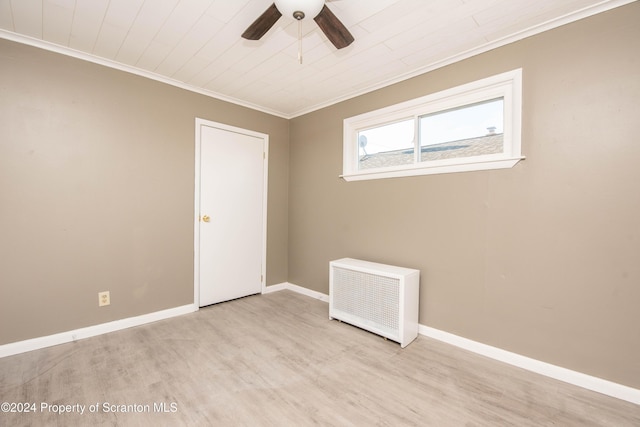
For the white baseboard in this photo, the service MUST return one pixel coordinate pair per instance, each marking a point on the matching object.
(298, 289)
(579, 379)
(91, 331)
(274, 288)
(572, 377)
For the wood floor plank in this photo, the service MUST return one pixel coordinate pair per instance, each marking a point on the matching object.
(277, 360)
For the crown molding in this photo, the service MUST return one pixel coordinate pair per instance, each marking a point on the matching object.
(586, 12)
(52, 47)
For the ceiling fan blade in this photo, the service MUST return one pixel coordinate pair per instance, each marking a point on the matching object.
(335, 30)
(260, 26)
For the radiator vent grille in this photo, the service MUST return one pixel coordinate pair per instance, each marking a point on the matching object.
(380, 298)
(369, 296)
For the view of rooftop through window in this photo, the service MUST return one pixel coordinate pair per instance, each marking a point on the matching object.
(441, 135)
(469, 121)
(388, 137)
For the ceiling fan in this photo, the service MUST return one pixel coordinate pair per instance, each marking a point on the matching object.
(330, 25)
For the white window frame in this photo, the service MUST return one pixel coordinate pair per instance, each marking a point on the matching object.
(506, 85)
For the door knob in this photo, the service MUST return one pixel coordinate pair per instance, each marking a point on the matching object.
(205, 218)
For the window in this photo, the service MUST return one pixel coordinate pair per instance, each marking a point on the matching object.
(470, 127)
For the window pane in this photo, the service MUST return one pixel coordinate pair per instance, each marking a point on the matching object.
(387, 145)
(472, 130)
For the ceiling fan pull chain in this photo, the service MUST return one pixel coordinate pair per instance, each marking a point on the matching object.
(300, 41)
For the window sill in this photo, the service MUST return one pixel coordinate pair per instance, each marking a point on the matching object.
(503, 163)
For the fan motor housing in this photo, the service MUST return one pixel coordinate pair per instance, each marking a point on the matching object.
(309, 8)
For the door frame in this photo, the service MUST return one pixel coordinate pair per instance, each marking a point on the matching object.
(196, 208)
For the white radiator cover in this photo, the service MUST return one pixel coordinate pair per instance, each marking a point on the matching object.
(380, 298)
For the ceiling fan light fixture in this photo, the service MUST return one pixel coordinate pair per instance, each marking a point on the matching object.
(300, 10)
(292, 8)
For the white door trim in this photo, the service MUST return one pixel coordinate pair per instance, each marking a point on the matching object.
(196, 208)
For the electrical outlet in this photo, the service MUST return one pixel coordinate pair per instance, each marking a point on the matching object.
(104, 298)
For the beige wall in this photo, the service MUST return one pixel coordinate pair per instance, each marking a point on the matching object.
(96, 192)
(541, 259)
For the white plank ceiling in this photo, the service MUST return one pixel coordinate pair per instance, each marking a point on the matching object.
(196, 44)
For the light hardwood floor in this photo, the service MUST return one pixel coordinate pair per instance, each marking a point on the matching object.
(277, 360)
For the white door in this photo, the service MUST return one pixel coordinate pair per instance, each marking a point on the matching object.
(231, 220)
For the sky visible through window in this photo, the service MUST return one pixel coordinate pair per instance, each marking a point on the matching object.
(456, 124)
